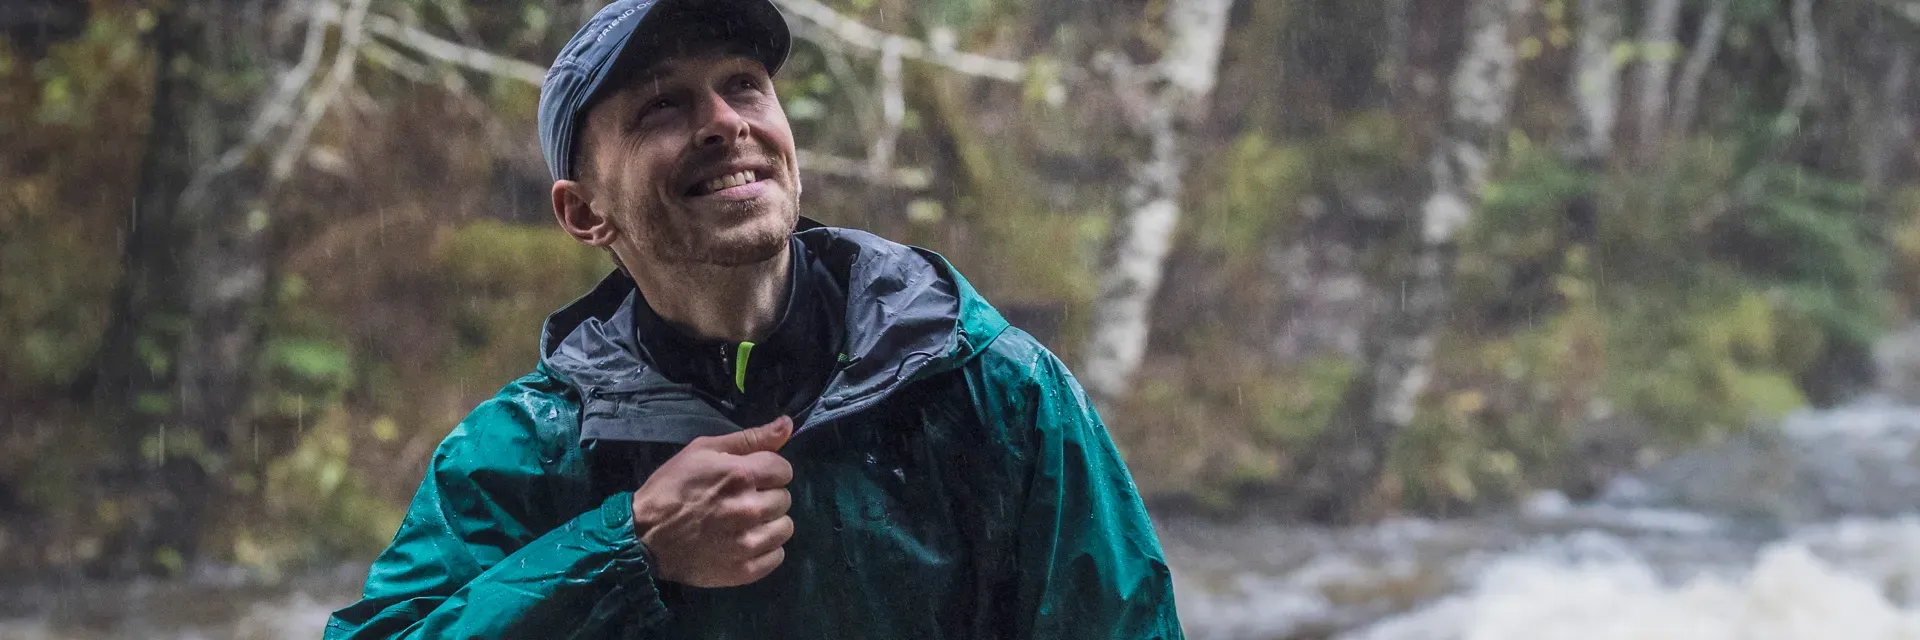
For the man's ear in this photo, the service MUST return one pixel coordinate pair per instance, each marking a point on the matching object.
(573, 208)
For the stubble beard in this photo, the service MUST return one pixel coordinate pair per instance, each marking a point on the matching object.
(684, 241)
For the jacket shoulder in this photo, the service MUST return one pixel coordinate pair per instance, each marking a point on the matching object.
(537, 413)
(1016, 362)
(1015, 379)
(518, 451)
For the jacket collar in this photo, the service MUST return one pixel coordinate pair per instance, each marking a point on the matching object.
(909, 315)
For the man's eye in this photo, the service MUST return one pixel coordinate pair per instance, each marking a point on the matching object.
(746, 83)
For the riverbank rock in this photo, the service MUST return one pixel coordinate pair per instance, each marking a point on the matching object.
(1862, 459)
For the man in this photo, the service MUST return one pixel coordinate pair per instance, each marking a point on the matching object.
(757, 427)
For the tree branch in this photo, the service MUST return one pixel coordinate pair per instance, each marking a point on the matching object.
(844, 77)
(273, 113)
(396, 62)
(1806, 63)
(1699, 61)
(877, 169)
(438, 48)
(842, 167)
(453, 53)
(862, 36)
(338, 77)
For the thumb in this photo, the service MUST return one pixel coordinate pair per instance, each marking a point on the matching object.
(767, 437)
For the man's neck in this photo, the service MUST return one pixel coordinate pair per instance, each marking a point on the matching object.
(736, 303)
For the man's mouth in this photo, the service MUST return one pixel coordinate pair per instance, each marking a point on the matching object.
(725, 182)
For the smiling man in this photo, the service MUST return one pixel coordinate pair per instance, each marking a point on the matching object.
(757, 427)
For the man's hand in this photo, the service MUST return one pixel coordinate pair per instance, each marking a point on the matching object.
(715, 515)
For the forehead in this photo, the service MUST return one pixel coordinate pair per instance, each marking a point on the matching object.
(628, 88)
(692, 64)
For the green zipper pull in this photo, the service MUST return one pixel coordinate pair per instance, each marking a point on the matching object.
(740, 366)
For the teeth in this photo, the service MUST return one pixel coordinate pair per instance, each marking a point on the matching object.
(729, 181)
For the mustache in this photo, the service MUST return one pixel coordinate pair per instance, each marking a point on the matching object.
(729, 155)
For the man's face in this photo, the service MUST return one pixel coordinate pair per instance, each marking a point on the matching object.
(693, 161)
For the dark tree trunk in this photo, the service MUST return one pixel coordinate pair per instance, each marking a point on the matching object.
(172, 379)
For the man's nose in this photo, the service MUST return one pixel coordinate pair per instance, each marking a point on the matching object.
(721, 125)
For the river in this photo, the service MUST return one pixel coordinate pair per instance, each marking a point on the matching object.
(1810, 530)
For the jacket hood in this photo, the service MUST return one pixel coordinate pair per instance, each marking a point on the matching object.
(909, 315)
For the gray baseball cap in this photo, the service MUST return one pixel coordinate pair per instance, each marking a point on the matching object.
(630, 32)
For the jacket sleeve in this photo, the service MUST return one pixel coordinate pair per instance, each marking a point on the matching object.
(1089, 564)
(498, 545)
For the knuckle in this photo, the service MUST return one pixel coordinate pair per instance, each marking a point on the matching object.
(740, 473)
(785, 532)
(780, 507)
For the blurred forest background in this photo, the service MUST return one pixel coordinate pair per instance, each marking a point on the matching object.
(1319, 259)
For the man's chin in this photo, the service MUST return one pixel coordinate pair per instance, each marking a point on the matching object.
(757, 239)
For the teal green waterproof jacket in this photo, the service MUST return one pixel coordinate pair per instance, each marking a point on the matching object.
(951, 482)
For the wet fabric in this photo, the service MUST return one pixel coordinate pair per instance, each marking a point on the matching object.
(951, 481)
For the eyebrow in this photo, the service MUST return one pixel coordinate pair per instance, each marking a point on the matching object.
(654, 73)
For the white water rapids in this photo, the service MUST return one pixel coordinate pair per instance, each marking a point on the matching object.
(1811, 531)
(1808, 531)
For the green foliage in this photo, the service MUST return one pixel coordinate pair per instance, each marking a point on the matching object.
(1520, 231)
(1213, 432)
(1715, 282)
(1499, 420)
(314, 361)
(315, 488)
(505, 279)
(58, 235)
(52, 319)
(1810, 238)
(1251, 185)
(1703, 368)
(1904, 241)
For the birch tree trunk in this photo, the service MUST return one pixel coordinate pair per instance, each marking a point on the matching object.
(1595, 89)
(1596, 79)
(1167, 102)
(1658, 49)
(1350, 457)
(1482, 93)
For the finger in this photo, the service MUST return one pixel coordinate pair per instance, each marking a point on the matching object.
(768, 470)
(767, 437)
(759, 507)
(767, 537)
(759, 567)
